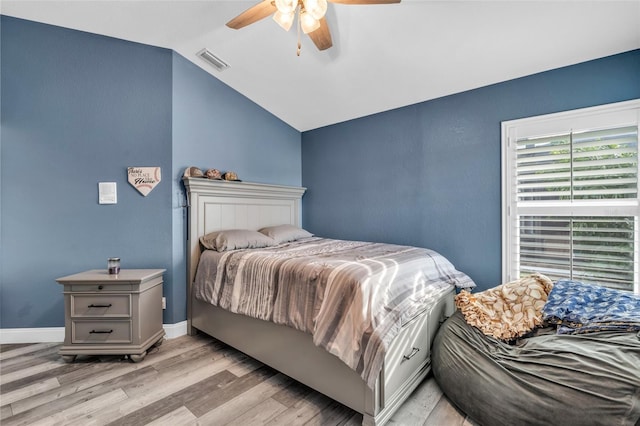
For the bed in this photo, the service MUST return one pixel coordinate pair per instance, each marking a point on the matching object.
(374, 388)
(579, 365)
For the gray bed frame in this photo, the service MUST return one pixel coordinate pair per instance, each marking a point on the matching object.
(216, 205)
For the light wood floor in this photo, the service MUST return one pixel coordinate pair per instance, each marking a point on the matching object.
(190, 380)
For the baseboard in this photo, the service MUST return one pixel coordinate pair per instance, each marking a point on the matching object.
(56, 334)
(175, 330)
(32, 335)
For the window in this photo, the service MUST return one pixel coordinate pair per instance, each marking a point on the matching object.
(570, 196)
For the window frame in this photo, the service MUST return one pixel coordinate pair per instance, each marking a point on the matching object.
(618, 114)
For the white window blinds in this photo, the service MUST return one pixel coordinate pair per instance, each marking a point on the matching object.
(597, 165)
(570, 196)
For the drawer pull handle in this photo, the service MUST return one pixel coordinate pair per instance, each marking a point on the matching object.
(101, 332)
(414, 351)
(93, 305)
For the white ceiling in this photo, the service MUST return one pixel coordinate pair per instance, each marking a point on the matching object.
(384, 56)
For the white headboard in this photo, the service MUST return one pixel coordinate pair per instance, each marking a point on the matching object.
(215, 205)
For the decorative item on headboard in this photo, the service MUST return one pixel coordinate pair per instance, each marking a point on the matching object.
(231, 176)
(144, 179)
(193, 171)
(213, 174)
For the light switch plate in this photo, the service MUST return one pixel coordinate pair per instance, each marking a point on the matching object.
(107, 193)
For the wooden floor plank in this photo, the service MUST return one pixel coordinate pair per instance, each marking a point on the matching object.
(165, 406)
(260, 414)
(29, 391)
(101, 376)
(90, 370)
(355, 420)
(246, 366)
(292, 394)
(302, 411)
(204, 359)
(150, 392)
(75, 415)
(18, 350)
(334, 414)
(14, 363)
(178, 417)
(12, 346)
(189, 349)
(444, 414)
(423, 401)
(40, 406)
(41, 376)
(5, 412)
(203, 404)
(105, 371)
(190, 380)
(231, 409)
(31, 370)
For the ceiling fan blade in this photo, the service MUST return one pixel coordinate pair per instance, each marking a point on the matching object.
(322, 36)
(364, 1)
(253, 14)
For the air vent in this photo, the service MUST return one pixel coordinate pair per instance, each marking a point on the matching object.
(213, 60)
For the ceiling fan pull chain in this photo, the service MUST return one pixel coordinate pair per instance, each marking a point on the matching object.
(299, 29)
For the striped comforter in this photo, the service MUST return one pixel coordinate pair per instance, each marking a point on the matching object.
(352, 297)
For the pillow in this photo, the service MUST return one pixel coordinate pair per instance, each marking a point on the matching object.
(509, 310)
(285, 233)
(234, 239)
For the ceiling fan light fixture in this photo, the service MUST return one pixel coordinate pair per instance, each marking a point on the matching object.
(316, 8)
(308, 23)
(285, 20)
(287, 6)
(311, 16)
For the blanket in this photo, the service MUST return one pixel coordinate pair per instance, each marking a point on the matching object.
(352, 297)
(579, 308)
(507, 311)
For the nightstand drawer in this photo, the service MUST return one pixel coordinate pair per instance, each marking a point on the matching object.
(91, 305)
(105, 287)
(101, 332)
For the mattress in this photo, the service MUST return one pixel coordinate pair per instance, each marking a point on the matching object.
(352, 297)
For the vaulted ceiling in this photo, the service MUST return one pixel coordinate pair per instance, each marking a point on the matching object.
(383, 56)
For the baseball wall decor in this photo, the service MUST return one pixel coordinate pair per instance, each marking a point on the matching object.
(144, 179)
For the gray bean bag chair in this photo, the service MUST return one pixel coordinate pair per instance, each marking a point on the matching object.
(546, 379)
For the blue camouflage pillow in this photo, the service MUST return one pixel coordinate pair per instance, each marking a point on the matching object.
(584, 308)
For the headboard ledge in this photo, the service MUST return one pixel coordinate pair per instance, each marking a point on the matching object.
(241, 189)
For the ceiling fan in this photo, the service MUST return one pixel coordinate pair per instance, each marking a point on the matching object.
(310, 13)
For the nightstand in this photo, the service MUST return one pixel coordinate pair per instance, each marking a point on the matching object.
(112, 314)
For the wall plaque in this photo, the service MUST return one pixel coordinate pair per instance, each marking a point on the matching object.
(144, 179)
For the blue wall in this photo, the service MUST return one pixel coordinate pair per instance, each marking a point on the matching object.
(78, 109)
(215, 127)
(429, 174)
